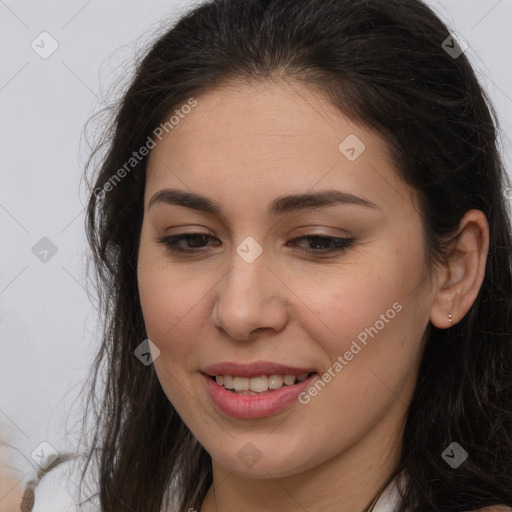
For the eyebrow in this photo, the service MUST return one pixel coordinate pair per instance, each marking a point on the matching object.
(279, 206)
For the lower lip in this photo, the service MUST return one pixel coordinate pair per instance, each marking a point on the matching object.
(255, 406)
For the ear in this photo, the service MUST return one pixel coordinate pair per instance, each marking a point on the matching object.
(460, 278)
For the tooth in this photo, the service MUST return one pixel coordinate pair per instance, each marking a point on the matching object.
(259, 384)
(241, 383)
(228, 381)
(275, 381)
(289, 379)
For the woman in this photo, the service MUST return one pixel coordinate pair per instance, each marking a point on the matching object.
(304, 255)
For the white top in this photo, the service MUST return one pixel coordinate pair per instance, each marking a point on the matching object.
(57, 492)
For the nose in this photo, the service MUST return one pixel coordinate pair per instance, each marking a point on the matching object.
(251, 297)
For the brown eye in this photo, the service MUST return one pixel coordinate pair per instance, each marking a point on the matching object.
(194, 241)
(325, 244)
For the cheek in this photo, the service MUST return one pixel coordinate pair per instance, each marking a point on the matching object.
(169, 307)
(370, 333)
(170, 316)
(385, 301)
(168, 300)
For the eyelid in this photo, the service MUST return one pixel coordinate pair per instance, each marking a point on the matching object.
(310, 230)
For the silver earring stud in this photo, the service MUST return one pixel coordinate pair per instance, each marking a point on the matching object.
(450, 318)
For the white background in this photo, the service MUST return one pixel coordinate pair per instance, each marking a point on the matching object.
(47, 322)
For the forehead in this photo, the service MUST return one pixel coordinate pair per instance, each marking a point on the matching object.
(267, 138)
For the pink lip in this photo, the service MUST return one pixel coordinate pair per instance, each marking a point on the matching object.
(254, 369)
(255, 406)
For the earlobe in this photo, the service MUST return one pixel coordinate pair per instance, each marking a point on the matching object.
(459, 280)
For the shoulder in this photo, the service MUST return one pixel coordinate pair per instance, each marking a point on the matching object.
(57, 489)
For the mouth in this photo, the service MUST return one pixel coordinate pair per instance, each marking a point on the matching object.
(255, 390)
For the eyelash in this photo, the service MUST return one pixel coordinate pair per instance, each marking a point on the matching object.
(340, 244)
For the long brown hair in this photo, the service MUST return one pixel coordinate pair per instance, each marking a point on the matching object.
(384, 64)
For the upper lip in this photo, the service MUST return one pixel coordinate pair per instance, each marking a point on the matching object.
(254, 369)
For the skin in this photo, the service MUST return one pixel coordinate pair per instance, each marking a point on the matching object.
(11, 489)
(243, 145)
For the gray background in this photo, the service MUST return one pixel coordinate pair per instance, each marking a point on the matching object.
(48, 326)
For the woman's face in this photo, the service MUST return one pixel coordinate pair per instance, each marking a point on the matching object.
(252, 299)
